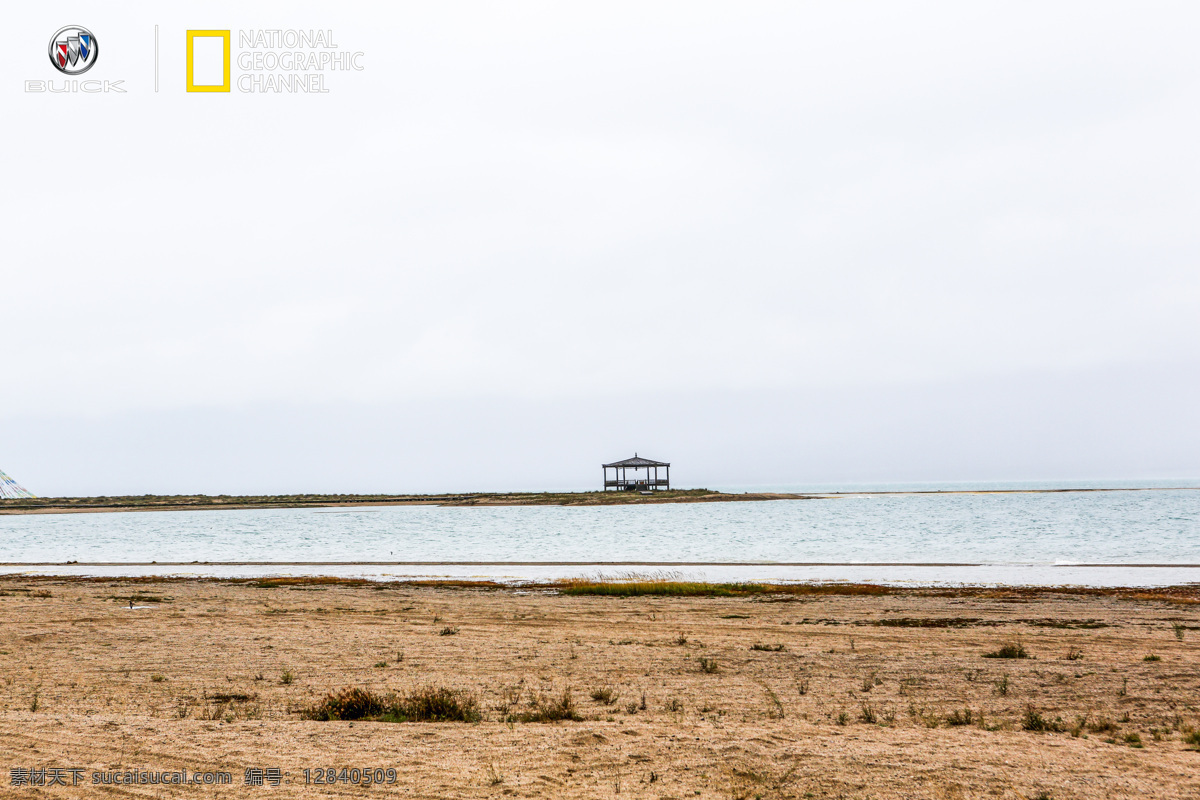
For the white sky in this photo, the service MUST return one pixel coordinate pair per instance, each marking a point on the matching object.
(529, 238)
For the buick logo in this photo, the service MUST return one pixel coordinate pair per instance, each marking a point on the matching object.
(73, 50)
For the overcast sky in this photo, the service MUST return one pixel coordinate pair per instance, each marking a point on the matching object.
(771, 243)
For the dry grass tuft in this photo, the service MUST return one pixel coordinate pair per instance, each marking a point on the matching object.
(1012, 649)
(551, 709)
(430, 704)
(1034, 721)
(605, 694)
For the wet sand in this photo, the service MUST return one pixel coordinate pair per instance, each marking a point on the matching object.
(867, 697)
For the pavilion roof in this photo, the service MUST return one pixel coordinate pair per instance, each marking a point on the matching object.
(638, 461)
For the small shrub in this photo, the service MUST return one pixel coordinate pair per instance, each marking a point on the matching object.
(434, 704)
(35, 702)
(1152, 657)
(552, 709)
(1010, 650)
(1102, 725)
(802, 686)
(158, 678)
(868, 714)
(1192, 738)
(287, 677)
(1034, 721)
(960, 718)
(447, 631)
(1074, 654)
(1179, 628)
(708, 665)
(1002, 686)
(380, 664)
(605, 694)
(675, 704)
(842, 718)
(776, 710)
(431, 704)
(768, 648)
(347, 704)
(1133, 740)
(681, 639)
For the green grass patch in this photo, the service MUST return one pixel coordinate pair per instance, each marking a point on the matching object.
(668, 588)
(661, 588)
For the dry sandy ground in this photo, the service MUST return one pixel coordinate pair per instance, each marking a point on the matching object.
(119, 689)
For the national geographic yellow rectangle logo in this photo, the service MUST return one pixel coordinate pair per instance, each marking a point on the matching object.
(208, 61)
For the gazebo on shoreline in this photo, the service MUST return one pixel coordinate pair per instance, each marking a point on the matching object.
(621, 482)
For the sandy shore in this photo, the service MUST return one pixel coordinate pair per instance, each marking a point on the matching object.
(850, 696)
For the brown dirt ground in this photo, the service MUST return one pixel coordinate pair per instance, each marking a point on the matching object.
(137, 690)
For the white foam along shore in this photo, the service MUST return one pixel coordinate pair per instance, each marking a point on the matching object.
(911, 575)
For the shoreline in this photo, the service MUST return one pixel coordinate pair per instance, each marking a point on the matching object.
(645, 588)
(580, 564)
(543, 576)
(97, 505)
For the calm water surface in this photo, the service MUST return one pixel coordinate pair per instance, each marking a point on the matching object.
(1160, 527)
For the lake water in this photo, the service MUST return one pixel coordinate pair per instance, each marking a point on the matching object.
(971, 538)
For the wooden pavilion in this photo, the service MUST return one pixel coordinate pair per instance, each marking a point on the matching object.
(622, 482)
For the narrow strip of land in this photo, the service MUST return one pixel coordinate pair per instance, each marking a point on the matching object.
(70, 505)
